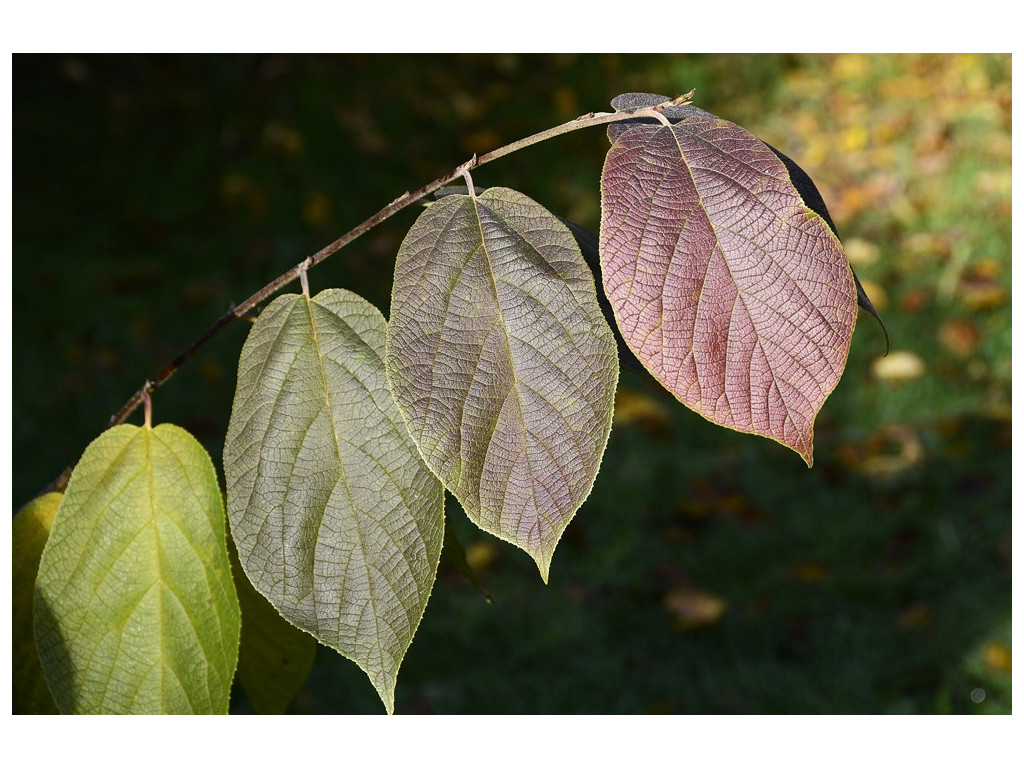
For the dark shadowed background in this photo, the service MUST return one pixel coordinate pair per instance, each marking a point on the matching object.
(709, 571)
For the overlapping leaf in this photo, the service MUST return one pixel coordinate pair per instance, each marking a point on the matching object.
(135, 610)
(337, 521)
(502, 364)
(274, 657)
(30, 529)
(728, 288)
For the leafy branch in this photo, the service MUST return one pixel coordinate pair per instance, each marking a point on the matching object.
(406, 199)
(494, 378)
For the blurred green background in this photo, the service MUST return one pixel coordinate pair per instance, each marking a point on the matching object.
(709, 572)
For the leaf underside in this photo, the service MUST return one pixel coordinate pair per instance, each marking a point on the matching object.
(502, 364)
(727, 287)
(135, 610)
(802, 182)
(337, 521)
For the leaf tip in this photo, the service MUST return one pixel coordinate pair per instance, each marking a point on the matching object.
(543, 561)
(385, 686)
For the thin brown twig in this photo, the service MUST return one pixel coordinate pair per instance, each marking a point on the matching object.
(151, 385)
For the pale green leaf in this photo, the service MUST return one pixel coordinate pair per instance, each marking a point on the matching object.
(337, 520)
(275, 657)
(135, 610)
(502, 364)
(29, 533)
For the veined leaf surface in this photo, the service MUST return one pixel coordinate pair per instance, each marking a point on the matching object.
(30, 529)
(135, 610)
(502, 364)
(337, 521)
(732, 292)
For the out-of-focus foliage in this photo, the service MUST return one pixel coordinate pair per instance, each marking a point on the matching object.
(708, 571)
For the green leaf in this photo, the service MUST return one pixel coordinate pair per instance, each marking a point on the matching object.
(274, 657)
(502, 364)
(29, 533)
(337, 521)
(135, 611)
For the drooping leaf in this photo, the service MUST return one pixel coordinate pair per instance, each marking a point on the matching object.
(274, 657)
(501, 363)
(30, 530)
(135, 610)
(734, 294)
(337, 521)
(802, 182)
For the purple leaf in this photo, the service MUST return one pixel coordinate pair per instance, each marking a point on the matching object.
(733, 293)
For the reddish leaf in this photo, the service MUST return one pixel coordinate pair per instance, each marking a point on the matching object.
(732, 292)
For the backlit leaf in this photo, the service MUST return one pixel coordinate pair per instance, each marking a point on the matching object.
(274, 657)
(337, 521)
(800, 179)
(502, 364)
(732, 292)
(135, 611)
(30, 530)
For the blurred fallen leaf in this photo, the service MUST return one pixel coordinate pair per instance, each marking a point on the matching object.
(706, 499)
(900, 365)
(454, 554)
(959, 336)
(316, 209)
(283, 138)
(632, 407)
(994, 183)
(979, 286)
(481, 141)
(914, 616)
(480, 555)
(239, 189)
(890, 451)
(811, 573)
(927, 246)
(997, 657)
(861, 252)
(212, 371)
(693, 609)
(914, 300)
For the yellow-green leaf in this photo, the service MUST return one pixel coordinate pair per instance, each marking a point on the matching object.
(30, 531)
(337, 520)
(135, 610)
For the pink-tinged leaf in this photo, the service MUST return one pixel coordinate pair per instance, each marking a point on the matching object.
(501, 363)
(733, 293)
